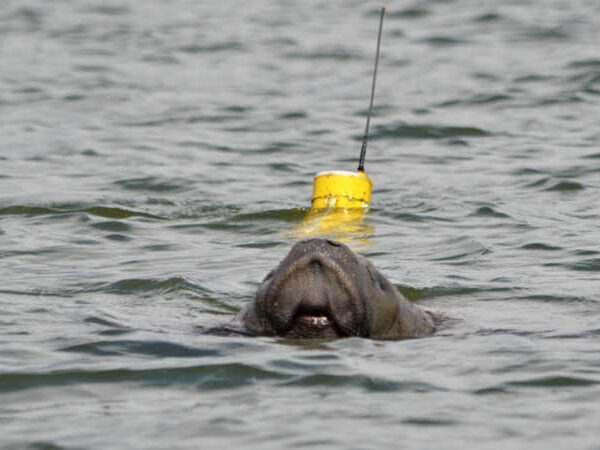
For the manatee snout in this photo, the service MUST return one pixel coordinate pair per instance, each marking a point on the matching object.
(322, 289)
(311, 292)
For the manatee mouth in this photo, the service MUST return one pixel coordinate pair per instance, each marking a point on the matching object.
(310, 322)
(313, 295)
(315, 300)
(314, 319)
(320, 316)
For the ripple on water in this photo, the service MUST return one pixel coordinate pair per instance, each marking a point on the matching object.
(159, 349)
(410, 12)
(459, 251)
(154, 184)
(26, 210)
(549, 298)
(540, 33)
(334, 54)
(585, 265)
(364, 382)
(109, 10)
(475, 100)
(443, 41)
(489, 211)
(415, 217)
(541, 247)
(550, 184)
(112, 225)
(215, 47)
(205, 377)
(293, 115)
(406, 131)
(420, 293)
(148, 285)
(555, 381)
(100, 211)
(109, 326)
(490, 17)
(294, 215)
(592, 63)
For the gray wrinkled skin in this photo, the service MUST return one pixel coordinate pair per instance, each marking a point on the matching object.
(322, 289)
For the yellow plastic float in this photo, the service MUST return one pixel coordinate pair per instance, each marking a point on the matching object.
(341, 198)
(341, 189)
(340, 201)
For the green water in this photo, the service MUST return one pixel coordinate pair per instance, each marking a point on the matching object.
(157, 157)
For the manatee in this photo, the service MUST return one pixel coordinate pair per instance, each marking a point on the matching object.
(322, 289)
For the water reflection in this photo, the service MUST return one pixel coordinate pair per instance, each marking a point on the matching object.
(344, 225)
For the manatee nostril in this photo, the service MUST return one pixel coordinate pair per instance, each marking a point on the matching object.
(334, 243)
(308, 241)
(269, 275)
(316, 266)
(383, 283)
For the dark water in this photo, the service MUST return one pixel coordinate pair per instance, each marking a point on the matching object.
(155, 158)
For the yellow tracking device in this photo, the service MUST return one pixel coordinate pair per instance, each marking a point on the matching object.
(341, 189)
(339, 202)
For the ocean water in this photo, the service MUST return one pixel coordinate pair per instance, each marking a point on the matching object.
(156, 161)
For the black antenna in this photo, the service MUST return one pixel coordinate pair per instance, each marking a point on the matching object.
(363, 150)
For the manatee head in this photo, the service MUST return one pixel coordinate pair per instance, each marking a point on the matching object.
(322, 289)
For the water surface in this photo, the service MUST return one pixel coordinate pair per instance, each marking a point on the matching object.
(156, 158)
